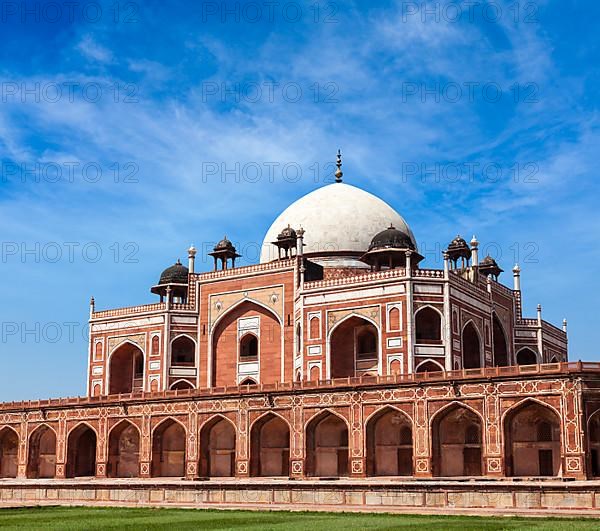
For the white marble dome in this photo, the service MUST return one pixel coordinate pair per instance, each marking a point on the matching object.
(336, 218)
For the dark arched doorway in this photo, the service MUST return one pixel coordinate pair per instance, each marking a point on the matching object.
(526, 356)
(81, 452)
(9, 453)
(270, 447)
(168, 450)
(532, 441)
(41, 462)
(353, 348)
(327, 446)
(389, 444)
(457, 446)
(217, 448)
(124, 451)
(183, 352)
(126, 370)
(428, 326)
(471, 347)
(500, 343)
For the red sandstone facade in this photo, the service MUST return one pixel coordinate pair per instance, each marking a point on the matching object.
(313, 365)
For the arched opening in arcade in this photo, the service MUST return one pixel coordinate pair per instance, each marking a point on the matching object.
(428, 326)
(270, 447)
(327, 446)
(526, 356)
(81, 452)
(217, 448)
(389, 444)
(457, 442)
(41, 461)
(500, 343)
(126, 370)
(183, 352)
(124, 451)
(168, 449)
(532, 441)
(9, 453)
(471, 347)
(353, 347)
(252, 331)
(594, 444)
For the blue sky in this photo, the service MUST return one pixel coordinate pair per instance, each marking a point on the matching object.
(116, 126)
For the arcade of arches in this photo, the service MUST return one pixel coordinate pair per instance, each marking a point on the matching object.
(531, 439)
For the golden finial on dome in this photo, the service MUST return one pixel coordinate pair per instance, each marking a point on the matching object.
(338, 172)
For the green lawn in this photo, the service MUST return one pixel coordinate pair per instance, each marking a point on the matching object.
(176, 519)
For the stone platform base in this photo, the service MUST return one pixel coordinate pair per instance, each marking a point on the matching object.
(509, 497)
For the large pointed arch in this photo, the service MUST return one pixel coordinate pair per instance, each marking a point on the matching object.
(41, 453)
(169, 439)
(270, 445)
(593, 440)
(457, 441)
(532, 439)
(9, 452)
(81, 451)
(126, 368)
(389, 443)
(124, 450)
(224, 340)
(327, 445)
(218, 439)
(344, 354)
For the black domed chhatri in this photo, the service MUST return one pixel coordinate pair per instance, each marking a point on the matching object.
(176, 274)
(286, 241)
(173, 280)
(224, 251)
(391, 238)
(224, 245)
(459, 250)
(489, 266)
(287, 234)
(388, 249)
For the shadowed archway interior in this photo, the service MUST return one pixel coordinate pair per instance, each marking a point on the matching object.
(270, 447)
(389, 444)
(41, 461)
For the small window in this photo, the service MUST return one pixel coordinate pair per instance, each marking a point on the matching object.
(155, 346)
(366, 344)
(472, 434)
(544, 432)
(249, 346)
